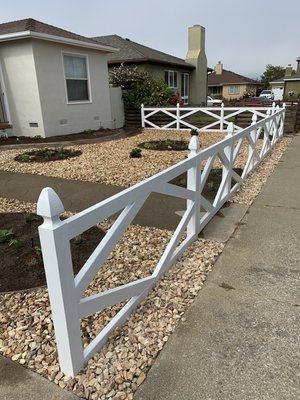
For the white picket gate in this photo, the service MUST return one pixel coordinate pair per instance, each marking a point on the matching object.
(66, 292)
(222, 115)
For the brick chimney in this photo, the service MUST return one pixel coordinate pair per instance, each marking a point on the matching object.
(288, 71)
(197, 57)
(219, 68)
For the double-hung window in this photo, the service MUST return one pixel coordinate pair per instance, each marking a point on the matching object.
(76, 75)
(171, 79)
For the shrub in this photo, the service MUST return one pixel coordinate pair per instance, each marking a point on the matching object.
(136, 153)
(149, 92)
(126, 77)
(194, 132)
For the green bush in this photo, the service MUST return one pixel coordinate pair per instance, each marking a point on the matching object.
(136, 153)
(150, 92)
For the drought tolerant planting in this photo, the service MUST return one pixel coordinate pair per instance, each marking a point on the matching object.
(47, 154)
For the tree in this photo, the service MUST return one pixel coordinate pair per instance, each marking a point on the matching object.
(272, 73)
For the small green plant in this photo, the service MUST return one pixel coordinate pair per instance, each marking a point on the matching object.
(136, 153)
(24, 157)
(210, 185)
(78, 239)
(150, 145)
(169, 143)
(37, 137)
(7, 236)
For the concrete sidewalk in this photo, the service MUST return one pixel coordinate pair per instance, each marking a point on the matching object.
(240, 340)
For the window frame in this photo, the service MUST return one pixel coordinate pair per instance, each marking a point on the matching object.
(86, 57)
(236, 91)
(173, 73)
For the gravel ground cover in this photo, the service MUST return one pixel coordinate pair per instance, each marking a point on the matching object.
(26, 329)
(110, 163)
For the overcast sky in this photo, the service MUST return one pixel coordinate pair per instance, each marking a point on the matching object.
(245, 35)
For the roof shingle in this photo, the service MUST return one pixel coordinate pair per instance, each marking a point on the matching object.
(33, 25)
(130, 51)
(228, 77)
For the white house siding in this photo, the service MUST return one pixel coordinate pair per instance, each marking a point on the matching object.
(59, 116)
(21, 87)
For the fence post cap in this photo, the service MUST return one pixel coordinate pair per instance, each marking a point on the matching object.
(49, 204)
(230, 129)
(222, 104)
(194, 144)
(284, 105)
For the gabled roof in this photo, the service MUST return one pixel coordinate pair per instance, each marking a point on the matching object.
(132, 52)
(228, 77)
(31, 27)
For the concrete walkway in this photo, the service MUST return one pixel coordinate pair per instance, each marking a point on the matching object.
(19, 383)
(240, 340)
(159, 210)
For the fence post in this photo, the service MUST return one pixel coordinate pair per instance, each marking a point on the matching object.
(177, 117)
(228, 151)
(193, 183)
(143, 115)
(57, 259)
(273, 107)
(283, 120)
(252, 146)
(222, 117)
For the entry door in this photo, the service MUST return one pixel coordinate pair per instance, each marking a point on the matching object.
(185, 87)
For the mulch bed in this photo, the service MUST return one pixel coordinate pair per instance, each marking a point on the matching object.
(21, 264)
(47, 154)
(212, 184)
(61, 138)
(165, 145)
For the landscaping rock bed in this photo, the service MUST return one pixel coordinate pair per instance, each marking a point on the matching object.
(21, 265)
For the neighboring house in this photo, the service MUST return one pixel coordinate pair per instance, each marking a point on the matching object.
(187, 77)
(289, 85)
(228, 84)
(53, 82)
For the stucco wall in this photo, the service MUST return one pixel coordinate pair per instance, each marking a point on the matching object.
(242, 88)
(19, 75)
(291, 86)
(59, 116)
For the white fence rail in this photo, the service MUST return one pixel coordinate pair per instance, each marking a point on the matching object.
(223, 116)
(66, 292)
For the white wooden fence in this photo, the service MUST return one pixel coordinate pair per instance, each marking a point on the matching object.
(223, 116)
(66, 292)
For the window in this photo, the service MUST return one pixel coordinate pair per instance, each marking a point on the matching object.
(215, 90)
(76, 74)
(234, 89)
(171, 79)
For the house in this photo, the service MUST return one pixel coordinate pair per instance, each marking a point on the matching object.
(289, 85)
(228, 84)
(187, 77)
(53, 82)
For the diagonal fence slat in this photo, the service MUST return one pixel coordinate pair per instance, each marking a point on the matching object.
(65, 292)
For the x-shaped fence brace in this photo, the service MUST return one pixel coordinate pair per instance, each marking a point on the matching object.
(179, 115)
(66, 292)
